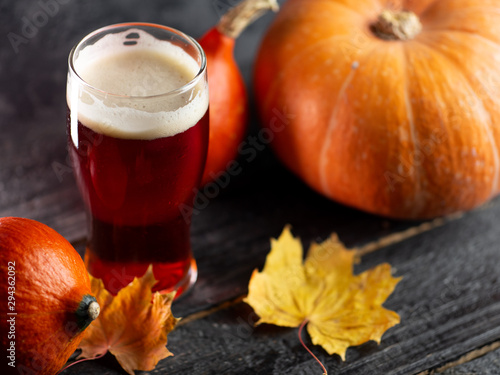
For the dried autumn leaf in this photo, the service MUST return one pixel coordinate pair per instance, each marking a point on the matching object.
(133, 326)
(341, 309)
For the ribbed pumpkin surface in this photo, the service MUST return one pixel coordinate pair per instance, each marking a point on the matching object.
(402, 128)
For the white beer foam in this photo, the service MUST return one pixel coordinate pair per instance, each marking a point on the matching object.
(150, 68)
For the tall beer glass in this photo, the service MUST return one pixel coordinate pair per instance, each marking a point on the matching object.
(137, 128)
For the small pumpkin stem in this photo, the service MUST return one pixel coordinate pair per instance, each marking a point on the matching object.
(94, 310)
(397, 25)
(87, 311)
(238, 18)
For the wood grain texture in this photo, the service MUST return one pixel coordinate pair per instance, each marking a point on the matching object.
(449, 302)
(449, 299)
(478, 363)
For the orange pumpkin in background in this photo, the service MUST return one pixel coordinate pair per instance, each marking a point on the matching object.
(228, 103)
(392, 107)
(46, 298)
(228, 96)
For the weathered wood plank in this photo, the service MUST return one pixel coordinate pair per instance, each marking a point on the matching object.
(449, 299)
(486, 364)
(449, 302)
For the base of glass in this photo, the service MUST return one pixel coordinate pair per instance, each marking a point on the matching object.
(185, 285)
(117, 275)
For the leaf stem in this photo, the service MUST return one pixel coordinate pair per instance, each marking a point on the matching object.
(80, 360)
(308, 350)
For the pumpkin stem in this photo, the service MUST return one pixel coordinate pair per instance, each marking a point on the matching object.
(87, 311)
(94, 310)
(397, 25)
(238, 18)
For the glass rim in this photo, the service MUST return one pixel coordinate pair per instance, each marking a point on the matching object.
(180, 90)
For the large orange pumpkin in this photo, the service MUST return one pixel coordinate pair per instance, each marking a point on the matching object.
(45, 298)
(392, 107)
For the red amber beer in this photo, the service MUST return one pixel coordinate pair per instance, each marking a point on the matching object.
(137, 129)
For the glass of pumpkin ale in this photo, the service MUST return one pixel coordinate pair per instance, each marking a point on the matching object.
(137, 128)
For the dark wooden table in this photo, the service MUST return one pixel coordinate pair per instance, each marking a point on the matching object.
(449, 299)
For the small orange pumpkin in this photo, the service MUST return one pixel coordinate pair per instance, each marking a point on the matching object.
(228, 103)
(228, 96)
(392, 107)
(45, 294)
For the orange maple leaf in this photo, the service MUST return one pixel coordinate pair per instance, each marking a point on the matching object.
(133, 326)
(341, 309)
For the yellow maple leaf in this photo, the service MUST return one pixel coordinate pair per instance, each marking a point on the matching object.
(133, 326)
(341, 309)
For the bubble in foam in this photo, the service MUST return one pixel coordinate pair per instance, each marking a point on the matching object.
(140, 78)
